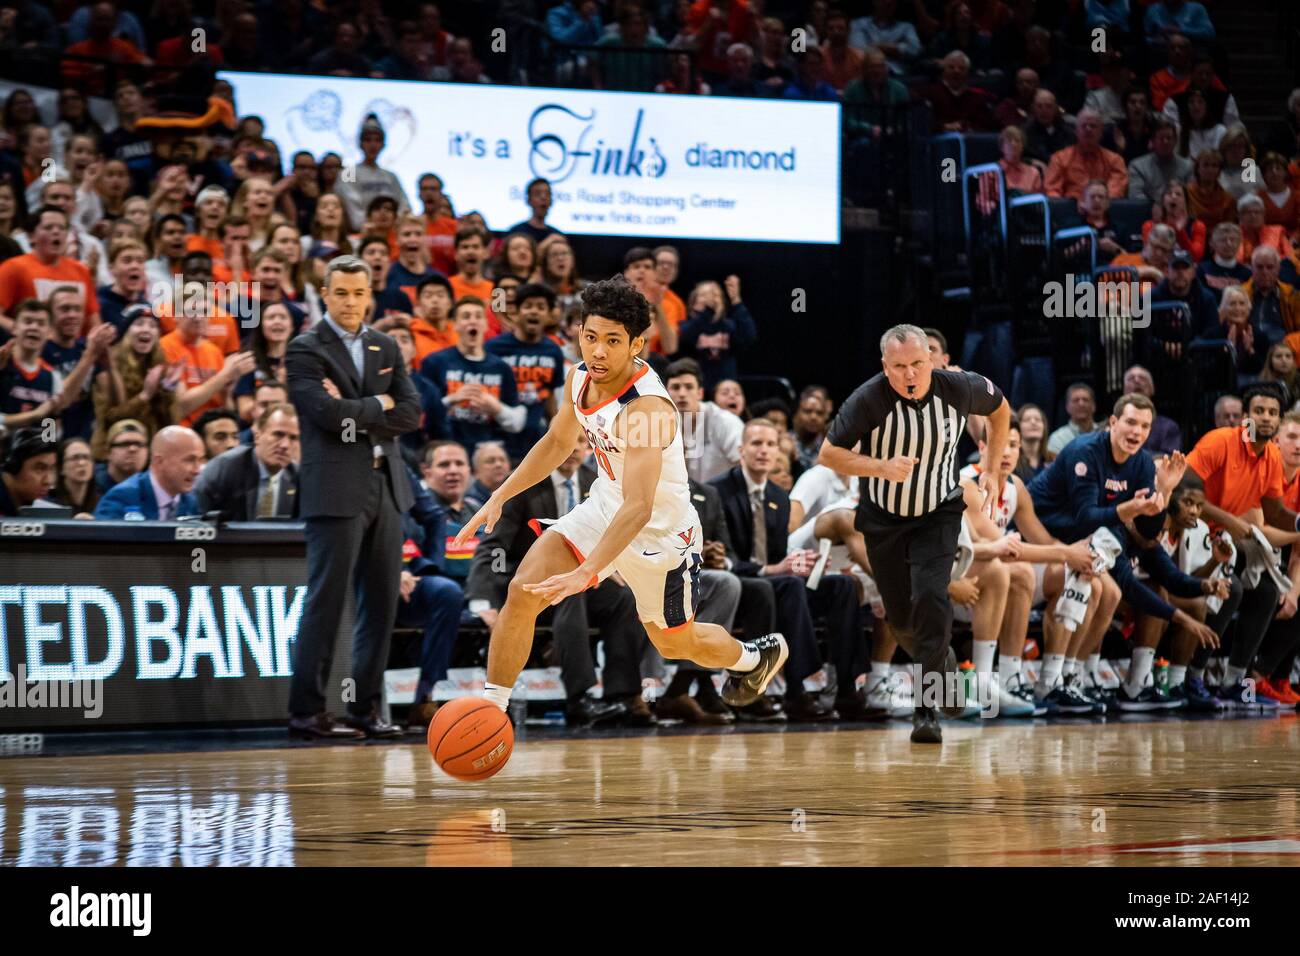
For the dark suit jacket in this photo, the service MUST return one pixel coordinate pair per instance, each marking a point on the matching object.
(334, 473)
(708, 504)
(229, 484)
(514, 537)
(136, 494)
(740, 522)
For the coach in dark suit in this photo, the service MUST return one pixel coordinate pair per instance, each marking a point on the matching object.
(354, 399)
(258, 481)
(746, 494)
(609, 606)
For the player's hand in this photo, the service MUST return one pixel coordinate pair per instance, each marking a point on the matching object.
(1221, 549)
(1078, 557)
(1286, 607)
(487, 517)
(1008, 547)
(1169, 471)
(560, 586)
(964, 591)
(1145, 503)
(1219, 588)
(331, 389)
(408, 584)
(898, 469)
(1204, 634)
(715, 555)
(993, 486)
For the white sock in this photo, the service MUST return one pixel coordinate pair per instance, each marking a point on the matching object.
(1094, 668)
(1139, 669)
(497, 694)
(1177, 674)
(1008, 668)
(749, 658)
(982, 656)
(1232, 676)
(1070, 667)
(1052, 664)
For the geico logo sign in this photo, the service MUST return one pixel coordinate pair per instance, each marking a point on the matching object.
(196, 533)
(22, 529)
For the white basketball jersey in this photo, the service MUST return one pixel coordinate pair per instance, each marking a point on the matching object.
(1004, 511)
(672, 505)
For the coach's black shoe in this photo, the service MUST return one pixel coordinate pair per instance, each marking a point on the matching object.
(374, 726)
(638, 713)
(745, 688)
(765, 710)
(854, 706)
(707, 697)
(587, 711)
(807, 708)
(925, 726)
(320, 727)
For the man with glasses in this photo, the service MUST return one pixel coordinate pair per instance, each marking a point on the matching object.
(127, 441)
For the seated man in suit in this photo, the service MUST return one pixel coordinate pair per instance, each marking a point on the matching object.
(248, 483)
(430, 600)
(758, 516)
(720, 595)
(162, 492)
(610, 606)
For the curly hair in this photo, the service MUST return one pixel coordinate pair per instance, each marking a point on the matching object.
(617, 300)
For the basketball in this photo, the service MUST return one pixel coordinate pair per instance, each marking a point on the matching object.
(470, 738)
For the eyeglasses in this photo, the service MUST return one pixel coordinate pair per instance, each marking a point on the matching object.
(127, 444)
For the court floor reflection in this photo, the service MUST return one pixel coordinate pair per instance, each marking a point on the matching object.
(1163, 792)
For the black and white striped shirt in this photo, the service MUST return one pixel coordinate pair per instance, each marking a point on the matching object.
(889, 425)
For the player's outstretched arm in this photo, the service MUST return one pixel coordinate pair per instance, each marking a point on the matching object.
(543, 458)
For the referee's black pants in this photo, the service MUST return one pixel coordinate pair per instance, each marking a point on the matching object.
(911, 561)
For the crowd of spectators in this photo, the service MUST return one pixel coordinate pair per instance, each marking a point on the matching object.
(152, 276)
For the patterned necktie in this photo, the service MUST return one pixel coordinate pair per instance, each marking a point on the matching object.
(760, 527)
(571, 500)
(266, 503)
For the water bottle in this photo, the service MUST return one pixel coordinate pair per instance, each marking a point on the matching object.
(519, 708)
(1160, 675)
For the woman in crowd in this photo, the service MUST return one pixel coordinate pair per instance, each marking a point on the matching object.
(112, 188)
(729, 395)
(270, 342)
(1173, 211)
(1279, 367)
(518, 257)
(74, 119)
(1197, 130)
(137, 383)
(329, 224)
(76, 486)
(559, 270)
(20, 110)
(211, 206)
(1281, 202)
(1236, 149)
(8, 216)
(1033, 441)
(255, 201)
(298, 286)
(1021, 176)
(1207, 200)
(136, 211)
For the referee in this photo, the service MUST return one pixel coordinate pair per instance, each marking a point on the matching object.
(909, 420)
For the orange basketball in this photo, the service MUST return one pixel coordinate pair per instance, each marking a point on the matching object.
(470, 738)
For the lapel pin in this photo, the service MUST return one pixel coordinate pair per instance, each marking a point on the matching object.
(772, 505)
(373, 348)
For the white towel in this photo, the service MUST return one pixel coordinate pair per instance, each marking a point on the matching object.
(965, 552)
(1073, 604)
(1261, 558)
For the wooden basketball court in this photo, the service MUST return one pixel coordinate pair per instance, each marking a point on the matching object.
(1164, 791)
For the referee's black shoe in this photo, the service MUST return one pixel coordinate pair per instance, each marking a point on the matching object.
(925, 726)
(745, 688)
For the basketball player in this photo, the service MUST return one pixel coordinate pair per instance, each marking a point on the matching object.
(638, 519)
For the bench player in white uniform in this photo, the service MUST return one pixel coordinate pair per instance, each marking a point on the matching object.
(638, 520)
(1036, 562)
